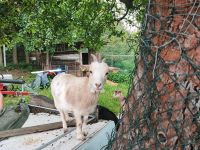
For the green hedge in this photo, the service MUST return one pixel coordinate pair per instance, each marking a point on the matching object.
(119, 77)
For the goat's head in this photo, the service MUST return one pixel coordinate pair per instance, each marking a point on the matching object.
(98, 74)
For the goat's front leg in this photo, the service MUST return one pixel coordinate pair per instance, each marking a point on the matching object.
(79, 125)
(85, 119)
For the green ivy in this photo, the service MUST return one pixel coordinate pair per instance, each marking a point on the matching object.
(119, 77)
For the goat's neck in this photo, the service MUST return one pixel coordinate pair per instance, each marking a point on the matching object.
(91, 97)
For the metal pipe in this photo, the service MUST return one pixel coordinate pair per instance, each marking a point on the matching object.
(4, 55)
(12, 81)
(18, 93)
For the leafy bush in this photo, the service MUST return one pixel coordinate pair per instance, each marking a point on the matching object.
(21, 66)
(119, 77)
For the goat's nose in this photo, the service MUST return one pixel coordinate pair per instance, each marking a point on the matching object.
(98, 85)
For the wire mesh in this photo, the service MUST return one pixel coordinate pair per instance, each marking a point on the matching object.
(163, 107)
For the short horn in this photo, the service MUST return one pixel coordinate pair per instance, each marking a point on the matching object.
(114, 69)
(103, 60)
(94, 57)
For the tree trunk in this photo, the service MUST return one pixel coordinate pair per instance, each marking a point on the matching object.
(15, 60)
(38, 58)
(47, 64)
(1, 56)
(27, 58)
(164, 102)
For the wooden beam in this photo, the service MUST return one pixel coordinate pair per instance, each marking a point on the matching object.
(38, 128)
(33, 129)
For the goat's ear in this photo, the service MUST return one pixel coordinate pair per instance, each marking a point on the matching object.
(84, 68)
(94, 57)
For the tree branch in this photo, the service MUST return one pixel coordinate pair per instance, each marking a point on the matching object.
(119, 19)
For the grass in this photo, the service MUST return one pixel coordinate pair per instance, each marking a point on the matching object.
(13, 100)
(46, 92)
(106, 97)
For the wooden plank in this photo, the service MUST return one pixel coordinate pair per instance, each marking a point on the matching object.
(42, 109)
(38, 128)
(33, 129)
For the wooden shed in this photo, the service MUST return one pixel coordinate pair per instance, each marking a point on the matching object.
(64, 57)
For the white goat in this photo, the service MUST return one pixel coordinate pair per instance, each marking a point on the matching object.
(79, 94)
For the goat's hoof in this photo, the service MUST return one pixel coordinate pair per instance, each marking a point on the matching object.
(65, 130)
(81, 137)
(85, 133)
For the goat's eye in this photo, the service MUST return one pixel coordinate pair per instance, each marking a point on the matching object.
(106, 73)
(91, 72)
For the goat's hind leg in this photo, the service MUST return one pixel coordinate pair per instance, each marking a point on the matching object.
(64, 119)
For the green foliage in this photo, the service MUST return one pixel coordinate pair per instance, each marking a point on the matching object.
(140, 6)
(21, 66)
(46, 92)
(10, 100)
(116, 46)
(9, 11)
(13, 100)
(125, 64)
(133, 10)
(121, 51)
(39, 25)
(42, 24)
(119, 77)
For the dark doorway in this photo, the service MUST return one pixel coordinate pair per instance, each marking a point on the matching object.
(85, 58)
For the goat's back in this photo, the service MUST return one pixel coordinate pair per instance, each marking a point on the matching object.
(72, 93)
